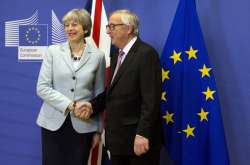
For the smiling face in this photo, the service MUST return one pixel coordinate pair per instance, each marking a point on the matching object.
(118, 31)
(74, 31)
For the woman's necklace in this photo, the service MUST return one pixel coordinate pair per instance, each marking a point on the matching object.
(77, 56)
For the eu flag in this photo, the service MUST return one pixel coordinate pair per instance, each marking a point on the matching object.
(33, 35)
(193, 126)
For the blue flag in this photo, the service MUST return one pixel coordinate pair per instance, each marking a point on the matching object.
(33, 35)
(193, 126)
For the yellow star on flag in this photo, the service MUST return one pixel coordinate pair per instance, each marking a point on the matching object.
(191, 53)
(163, 96)
(203, 115)
(189, 131)
(209, 94)
(176, 57)
(165, 74)
(169, 117)
(205, 71)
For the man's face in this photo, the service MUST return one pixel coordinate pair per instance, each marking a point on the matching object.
(117, 31)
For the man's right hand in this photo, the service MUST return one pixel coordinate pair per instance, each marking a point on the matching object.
(83, 110)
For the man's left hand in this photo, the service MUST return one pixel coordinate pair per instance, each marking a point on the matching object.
(141, 145)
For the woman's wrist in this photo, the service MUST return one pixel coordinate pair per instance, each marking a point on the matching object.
(98, 132)
(72, 106)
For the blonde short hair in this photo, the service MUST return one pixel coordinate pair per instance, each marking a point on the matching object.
(81, 16)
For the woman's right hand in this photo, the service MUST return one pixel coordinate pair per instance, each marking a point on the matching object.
(83, 110)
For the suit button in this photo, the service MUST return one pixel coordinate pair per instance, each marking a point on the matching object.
(73, 77)
(72, 90)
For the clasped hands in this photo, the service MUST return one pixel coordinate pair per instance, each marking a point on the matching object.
(83, 110)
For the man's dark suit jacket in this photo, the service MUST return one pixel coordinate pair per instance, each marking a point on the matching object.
(132, 100)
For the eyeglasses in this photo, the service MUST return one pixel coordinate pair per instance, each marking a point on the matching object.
(112, 26)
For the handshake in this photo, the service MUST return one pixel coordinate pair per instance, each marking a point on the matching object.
(82, 110)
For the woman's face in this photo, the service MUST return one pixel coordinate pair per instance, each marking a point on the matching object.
(74, 31)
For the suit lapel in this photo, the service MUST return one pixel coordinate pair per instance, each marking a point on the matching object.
(127, 61)
(67, 56)
(113, 65)
(85, 56)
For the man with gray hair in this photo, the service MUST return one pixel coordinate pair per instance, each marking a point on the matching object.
(132, 99)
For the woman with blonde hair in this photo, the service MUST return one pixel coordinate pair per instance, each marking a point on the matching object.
(71, 73)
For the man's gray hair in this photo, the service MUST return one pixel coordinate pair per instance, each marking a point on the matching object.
(81, 16)
(129, 18)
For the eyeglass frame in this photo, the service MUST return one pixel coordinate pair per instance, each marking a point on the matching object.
(112, 26)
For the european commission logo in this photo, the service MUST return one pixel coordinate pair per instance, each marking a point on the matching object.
(33, 41)
(33, 35)
(31, 38)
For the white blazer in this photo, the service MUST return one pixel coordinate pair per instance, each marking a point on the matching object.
(59, 83)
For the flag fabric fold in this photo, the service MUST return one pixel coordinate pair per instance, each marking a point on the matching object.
(193, 127)
(101, 40)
